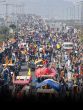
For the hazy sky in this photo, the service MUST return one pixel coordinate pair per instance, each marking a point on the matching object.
(47, 8)
(74, 0)
(39, 0)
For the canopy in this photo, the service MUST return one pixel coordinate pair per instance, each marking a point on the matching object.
(40, 72)
(40, 60)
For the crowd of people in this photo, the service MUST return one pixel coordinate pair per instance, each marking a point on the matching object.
(67, 63)
(29, 23)
(48, 46)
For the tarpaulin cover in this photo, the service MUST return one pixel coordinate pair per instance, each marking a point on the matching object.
(55, 85)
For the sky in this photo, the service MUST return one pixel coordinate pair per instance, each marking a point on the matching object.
(46, 8)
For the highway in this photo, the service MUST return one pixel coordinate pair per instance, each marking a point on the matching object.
(24, 69)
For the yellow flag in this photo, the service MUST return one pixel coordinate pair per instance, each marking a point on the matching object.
(58, 46)
(19, 77)
(29, 72)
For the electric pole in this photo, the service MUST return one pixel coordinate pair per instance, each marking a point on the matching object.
(2, 2)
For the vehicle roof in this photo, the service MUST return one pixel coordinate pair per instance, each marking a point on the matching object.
(38, 61)
(67, 43)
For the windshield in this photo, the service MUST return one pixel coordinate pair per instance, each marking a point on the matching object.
(39, 63)
(68, 45)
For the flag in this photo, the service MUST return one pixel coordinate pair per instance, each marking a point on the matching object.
(19, 77)
(29, 72)
(10, 62)
(58, 46)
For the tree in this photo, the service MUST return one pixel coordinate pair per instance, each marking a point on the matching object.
(4, 30)
(13, 26)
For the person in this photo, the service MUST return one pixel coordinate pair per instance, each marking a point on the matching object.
(81, 69)
(26, 58)
(62, 73)
(65, 57)
(13, 58)
(16, 70)
(5, 75)
(54, 53)
(65, 72)
(25, 90)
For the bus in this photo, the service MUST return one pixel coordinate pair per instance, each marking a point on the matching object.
(67, 45)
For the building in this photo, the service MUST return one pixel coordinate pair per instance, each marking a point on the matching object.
(81, 4)
(2, 22)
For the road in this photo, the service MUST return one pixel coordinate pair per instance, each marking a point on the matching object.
(24, 71)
